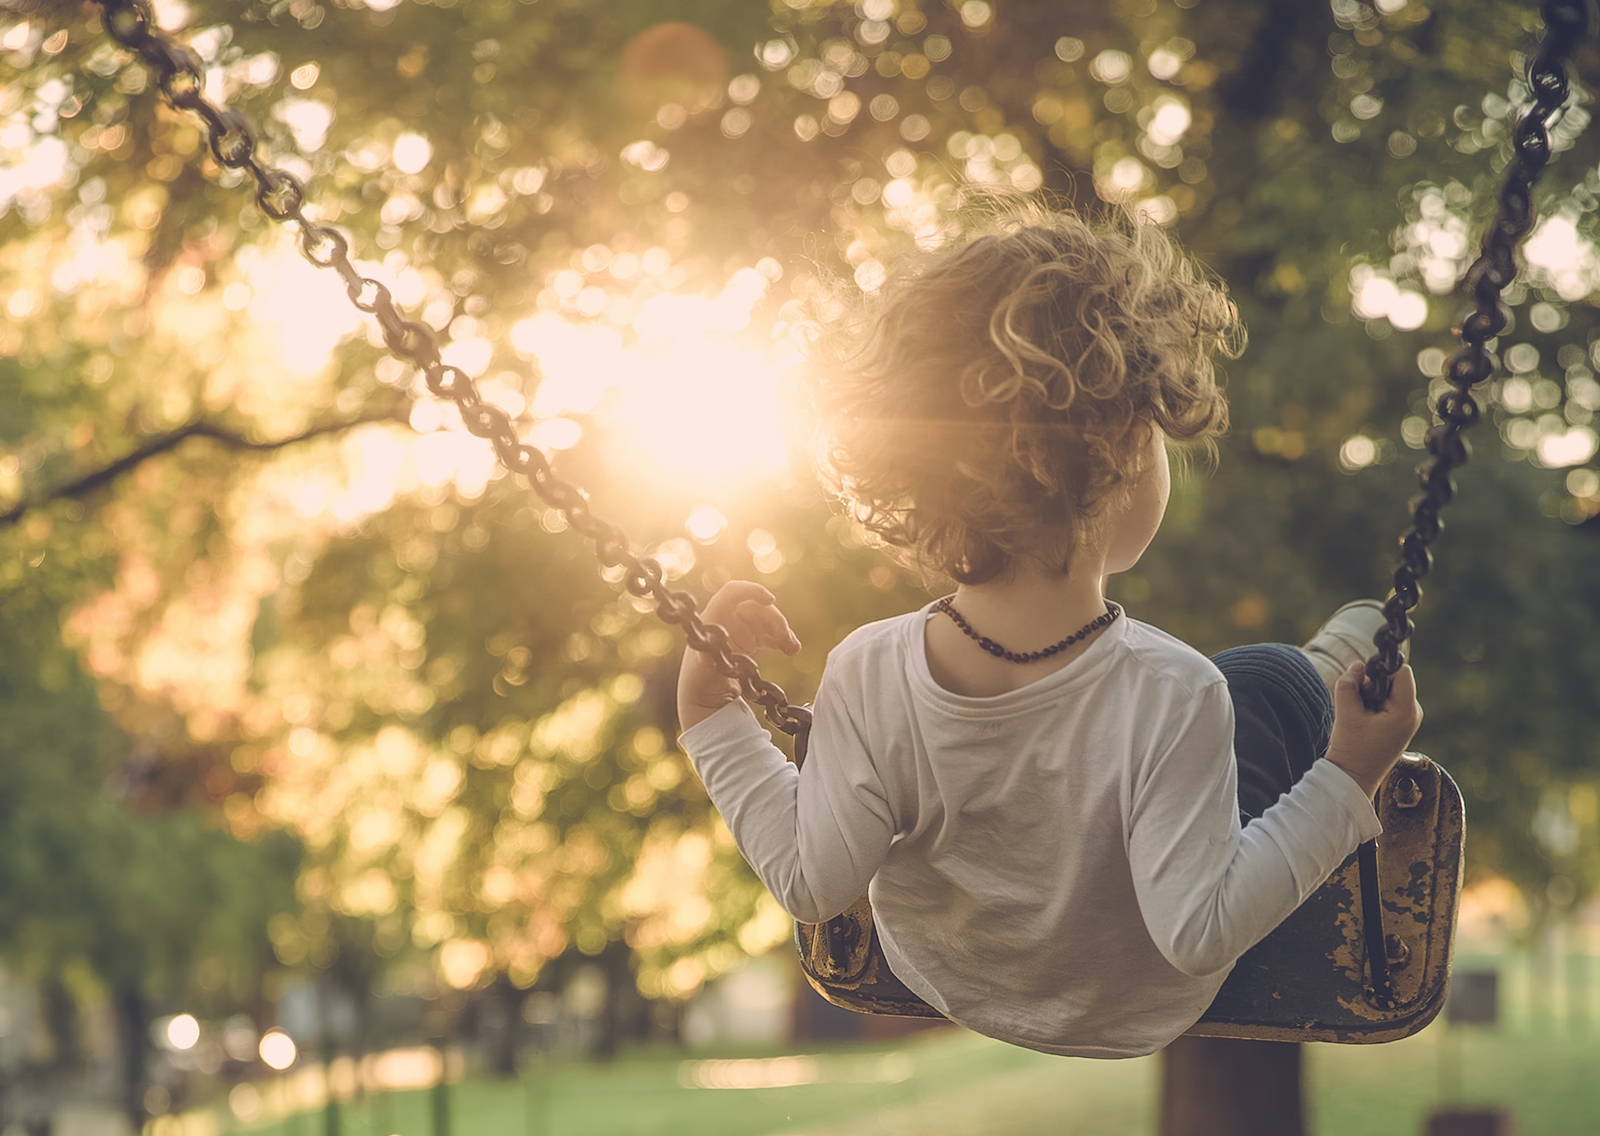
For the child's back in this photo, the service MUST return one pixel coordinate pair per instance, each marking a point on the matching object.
(1059, 866)
(1051, 828)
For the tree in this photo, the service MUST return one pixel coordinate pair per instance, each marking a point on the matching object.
(110, 891)
(468, 733)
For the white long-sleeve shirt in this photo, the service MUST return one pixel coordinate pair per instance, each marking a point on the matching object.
(1062, 866)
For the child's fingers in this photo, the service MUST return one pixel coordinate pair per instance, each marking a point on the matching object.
(1347, 691)
(751, 615)
(1402, 694)
(1405, 684)
(1405, 694)
(768, 627)
(722, 606)
(736, 592)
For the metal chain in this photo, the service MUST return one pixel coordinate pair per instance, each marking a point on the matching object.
(1566, 22)
(282, 198)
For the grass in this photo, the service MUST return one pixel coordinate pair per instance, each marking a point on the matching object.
(957, 1084)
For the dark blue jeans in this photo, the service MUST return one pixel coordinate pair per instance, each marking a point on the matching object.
(1283, 715)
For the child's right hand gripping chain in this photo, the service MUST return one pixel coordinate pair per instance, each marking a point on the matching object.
(1366, 744)
(751, 617)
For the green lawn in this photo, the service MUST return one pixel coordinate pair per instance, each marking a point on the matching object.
(956, 1083)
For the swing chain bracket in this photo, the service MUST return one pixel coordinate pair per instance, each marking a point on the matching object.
(282, 198)
(1566, 23)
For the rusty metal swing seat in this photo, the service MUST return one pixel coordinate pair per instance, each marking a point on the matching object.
(1307, 980)
(1367, 957)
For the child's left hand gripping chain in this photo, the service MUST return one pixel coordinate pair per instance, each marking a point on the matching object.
(750, 614)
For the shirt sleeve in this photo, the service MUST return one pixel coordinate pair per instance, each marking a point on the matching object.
(815, 836)
(1209, 889)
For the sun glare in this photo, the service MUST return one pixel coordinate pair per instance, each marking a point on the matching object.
(691, 395)
(703, 409)
(684, 393)
(303, 305)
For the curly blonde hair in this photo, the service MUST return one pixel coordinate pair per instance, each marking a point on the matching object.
(990, 400)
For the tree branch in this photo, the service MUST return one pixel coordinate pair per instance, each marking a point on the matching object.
(85, 484)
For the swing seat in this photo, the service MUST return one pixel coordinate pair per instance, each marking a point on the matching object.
(1306, 981)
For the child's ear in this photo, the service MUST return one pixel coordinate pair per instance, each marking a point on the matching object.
(1146, 436)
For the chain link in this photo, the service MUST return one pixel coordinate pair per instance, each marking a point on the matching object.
(282, 198)
(1566, 22)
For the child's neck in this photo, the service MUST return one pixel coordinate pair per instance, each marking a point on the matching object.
(1030, 609)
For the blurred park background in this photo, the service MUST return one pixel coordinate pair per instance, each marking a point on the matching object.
(338, 789)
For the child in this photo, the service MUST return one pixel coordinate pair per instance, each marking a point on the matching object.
(1072, 824)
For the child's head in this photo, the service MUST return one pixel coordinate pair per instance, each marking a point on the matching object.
(995, 400)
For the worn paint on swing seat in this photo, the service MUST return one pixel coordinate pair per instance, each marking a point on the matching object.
(1307, 980)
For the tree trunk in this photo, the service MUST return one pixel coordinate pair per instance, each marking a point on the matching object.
(1221, 1087)
(133, 1037)
(499, 1024)
(64, 1022)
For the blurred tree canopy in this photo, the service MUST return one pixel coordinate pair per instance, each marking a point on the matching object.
(305, 603)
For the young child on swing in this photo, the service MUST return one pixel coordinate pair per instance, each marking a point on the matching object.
(1072, 823)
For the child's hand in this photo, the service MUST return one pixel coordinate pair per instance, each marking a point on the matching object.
(753, 620)
(1365, 743)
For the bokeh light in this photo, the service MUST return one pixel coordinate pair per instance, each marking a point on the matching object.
(183, 1031)
(277, 1050)
(1357, 452)
(412, 153)
(1375, 295)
